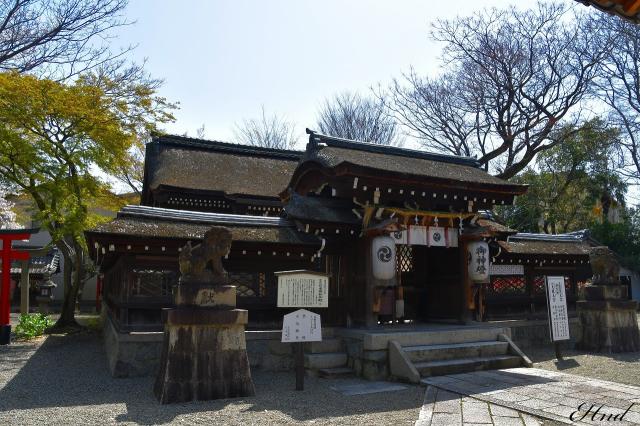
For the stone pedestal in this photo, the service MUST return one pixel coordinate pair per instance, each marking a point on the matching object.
(609, 319)
(609, 322)
(204, 353)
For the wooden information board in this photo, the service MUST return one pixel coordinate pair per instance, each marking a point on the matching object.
(302, 289)
(301, 326)
(557, 309)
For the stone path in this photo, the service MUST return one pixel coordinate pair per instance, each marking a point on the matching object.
(444, 408)
(549, 395)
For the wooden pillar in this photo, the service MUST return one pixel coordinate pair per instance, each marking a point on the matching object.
(529, 277)
(465, 312)
(24, 287)
(371, 319)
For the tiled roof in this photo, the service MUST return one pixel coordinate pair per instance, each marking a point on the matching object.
(48, 263)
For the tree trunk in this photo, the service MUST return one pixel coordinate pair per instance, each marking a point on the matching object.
(73, 263)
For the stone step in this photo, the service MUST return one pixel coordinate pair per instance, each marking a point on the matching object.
(465, 365)
(325, 360)
(336, 373)
(326, 345)
(446, 335)
(424, 353)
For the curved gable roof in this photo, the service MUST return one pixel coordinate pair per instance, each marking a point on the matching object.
(331, 152)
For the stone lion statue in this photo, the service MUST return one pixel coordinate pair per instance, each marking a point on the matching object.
(604, 265)
(203, 262)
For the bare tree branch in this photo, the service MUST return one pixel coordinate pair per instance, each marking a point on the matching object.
(58, 38)
(619, 86)
(267, 131)
(358, 118)
(510, 77)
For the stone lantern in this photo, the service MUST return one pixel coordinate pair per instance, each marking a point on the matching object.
(45, 293)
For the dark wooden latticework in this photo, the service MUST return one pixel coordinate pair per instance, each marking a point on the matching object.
(247, 284)
(404, 258)
(538, 284)
(508, 285)
(153, 282)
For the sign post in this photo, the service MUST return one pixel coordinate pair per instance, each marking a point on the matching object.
(557, 312)
(300, 289)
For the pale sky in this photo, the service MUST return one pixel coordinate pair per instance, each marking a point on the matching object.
(223, 60)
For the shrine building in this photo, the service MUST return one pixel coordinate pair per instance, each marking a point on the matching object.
(405, 237)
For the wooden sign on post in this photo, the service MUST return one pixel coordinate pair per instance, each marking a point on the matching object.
(557, 312)
(302, 289)
(301, 326)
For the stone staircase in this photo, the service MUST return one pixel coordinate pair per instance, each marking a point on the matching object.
(453, 352)
(327, 359)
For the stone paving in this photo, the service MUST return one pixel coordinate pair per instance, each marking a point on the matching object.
(444, 408)
(548, 395)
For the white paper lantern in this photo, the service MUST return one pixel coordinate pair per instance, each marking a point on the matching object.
(383, 257)
(478, 261)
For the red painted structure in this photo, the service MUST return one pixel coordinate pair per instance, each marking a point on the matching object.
(7, 254)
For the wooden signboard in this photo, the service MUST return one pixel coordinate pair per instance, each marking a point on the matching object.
(302, 289)
(301, 326)
(557, 309)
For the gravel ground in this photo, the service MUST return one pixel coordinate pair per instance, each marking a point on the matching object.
(621, 368)
(64, 380)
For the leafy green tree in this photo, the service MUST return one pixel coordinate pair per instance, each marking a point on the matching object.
(572, 184)
(622, 237)
(56, 141)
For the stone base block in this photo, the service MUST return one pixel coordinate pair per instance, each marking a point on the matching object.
(535, 333)
(203, 362)
(606, 292)
(205, 316)
(609, 326)
(206, 295)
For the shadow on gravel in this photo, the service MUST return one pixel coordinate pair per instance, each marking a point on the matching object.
(548, 354)
(71, 371)
(566, 364)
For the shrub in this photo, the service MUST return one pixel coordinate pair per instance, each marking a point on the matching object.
(32, 325)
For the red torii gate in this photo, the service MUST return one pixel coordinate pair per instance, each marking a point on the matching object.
(7, 254)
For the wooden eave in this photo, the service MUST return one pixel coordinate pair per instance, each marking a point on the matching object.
(106, 248)
(238, 198)
(312, 174)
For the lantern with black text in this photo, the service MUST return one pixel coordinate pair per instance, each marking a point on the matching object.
(383, 257)
(478, 261)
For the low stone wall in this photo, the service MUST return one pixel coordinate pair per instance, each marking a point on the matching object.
(531, 333)
(132, 354)
(369, 364)
(266, 351)
(138, 354)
